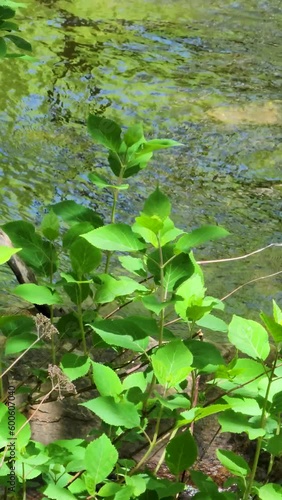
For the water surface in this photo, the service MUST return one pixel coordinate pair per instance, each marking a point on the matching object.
(206, 73)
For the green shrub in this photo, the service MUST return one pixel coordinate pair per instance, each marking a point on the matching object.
(98, 273)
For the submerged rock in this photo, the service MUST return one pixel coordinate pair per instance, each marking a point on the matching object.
(255, 113)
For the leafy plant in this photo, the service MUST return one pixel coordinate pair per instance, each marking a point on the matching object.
(8, 29)
(95, 272)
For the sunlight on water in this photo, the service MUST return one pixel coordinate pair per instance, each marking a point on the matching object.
(206, 73)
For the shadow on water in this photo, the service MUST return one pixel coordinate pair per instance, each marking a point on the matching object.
(207, 74)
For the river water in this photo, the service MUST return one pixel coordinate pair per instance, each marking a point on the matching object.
(207, 73)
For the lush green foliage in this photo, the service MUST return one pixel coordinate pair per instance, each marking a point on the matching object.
(7, 30)
(96, 270)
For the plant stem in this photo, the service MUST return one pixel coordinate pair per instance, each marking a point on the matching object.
(24, 482)
(272, 457)
(113, 211)
(53, 347)
(260, 439)
(80, 320)
(163, 293)
(161, 460)
(152, 444)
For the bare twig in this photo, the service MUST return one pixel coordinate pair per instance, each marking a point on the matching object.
(240, 256)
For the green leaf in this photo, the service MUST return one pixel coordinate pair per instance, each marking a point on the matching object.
(70, 279)
(37, 253)
(212, 323)
(196, 413)
(206, 357)
(123, 333)
(243, 371)
(235, 464)
(19, 343)
(16, 325)
(276, 406)
(112, 288)
(114, 237)
(55, 492)
(157, 205)
(102, 183)
(134, 135)
(78, 291)
(175, 402)
(274, 445)
(274, 328)
(157, 144)
(138, 484)
(106, 380)
(37, 294)
(137, 162)
(179, 268)
(181, 453)
(72, 213)
(277, 313)
(8, 26)
(270, 491)
(100, 458)
(75, 366)
(172, 363)
(6, 12)
(169, 232)
(105, 132)
(203, 482)
(121, 413)
(21, 437)
(192, 291)
(74, 232)
(125, 493)
(152, 304)
(84, 257)
(133, 264)
(198, 237)
(19, 42)
(164, 487)
(148, 228)
(248, 406)
(3, 47)
(109, 490)
(6, 253)
(50, 226)
(249, 337)
(237, 423)
(135, 380)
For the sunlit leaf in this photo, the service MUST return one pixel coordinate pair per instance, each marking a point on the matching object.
(6, 253)
(114, 237)
(74, 365)
(234, 463)
(100, 458)
(198, 237)
(106, 380)
(172, 363)
(122, 413)
(37, 294)
(249, 337)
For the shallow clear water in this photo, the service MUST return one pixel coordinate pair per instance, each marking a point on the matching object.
(207, 73)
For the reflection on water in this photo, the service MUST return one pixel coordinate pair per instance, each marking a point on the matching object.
(206, 73)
